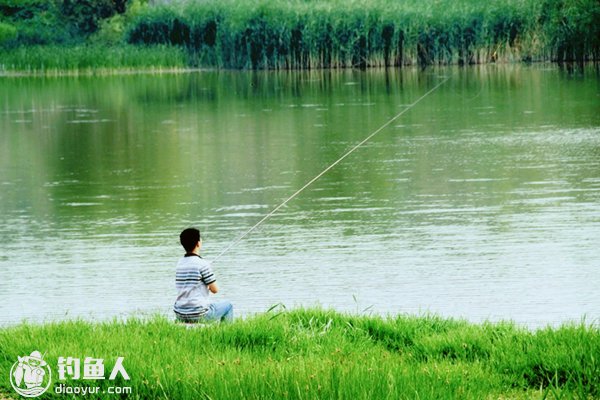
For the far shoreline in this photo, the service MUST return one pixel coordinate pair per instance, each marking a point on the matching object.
(158, 70)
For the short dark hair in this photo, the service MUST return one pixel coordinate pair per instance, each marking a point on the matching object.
(189, 238)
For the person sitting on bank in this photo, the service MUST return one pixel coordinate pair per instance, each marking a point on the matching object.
(194, 281)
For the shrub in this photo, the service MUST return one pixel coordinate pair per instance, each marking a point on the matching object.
(7, 32)
(87, 14)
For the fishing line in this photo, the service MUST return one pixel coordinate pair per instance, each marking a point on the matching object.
(339, 160)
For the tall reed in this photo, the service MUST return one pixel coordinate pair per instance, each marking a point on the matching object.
(361, 33)
(50, 60)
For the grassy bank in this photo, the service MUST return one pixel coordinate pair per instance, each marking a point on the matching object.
(362, 33)
(41, 35)
(321, 354)
(56, 60)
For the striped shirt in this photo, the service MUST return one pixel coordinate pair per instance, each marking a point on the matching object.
(192, 277)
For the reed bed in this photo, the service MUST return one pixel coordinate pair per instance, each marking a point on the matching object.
(298, 34)
(304, 354)
(91, 59)
(277, 34)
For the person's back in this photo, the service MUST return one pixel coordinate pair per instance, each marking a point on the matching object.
(194, 281)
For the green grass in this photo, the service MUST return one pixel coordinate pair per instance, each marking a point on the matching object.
(305, 354)
(361, 33)
(50, 60)
(294, 34)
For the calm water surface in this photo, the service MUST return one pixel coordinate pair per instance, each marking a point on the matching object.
(481, 202)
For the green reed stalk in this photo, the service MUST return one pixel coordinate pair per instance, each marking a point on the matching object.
(315, 34)
(54, 60)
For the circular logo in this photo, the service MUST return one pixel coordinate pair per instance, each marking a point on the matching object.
(30, 376)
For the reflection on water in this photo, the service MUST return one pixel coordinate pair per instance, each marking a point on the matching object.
(481, 202)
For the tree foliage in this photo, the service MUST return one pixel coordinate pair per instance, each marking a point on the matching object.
(43, 22)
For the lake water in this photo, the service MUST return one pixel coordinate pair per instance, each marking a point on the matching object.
(481, 202)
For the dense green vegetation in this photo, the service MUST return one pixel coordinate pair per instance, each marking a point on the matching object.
(56, 59)
(311, 33)
(35, 22)
(321, 33)
(322, 354)
(84, 35)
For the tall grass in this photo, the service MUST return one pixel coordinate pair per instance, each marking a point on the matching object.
(55, 59)
(298, 34)
(360, 33)
(323, 354)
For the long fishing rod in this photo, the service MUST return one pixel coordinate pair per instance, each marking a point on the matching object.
(346, 154)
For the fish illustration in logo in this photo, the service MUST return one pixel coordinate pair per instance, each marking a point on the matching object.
(28, 374)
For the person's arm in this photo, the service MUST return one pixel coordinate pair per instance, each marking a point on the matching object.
(213, 287)
(208, 277)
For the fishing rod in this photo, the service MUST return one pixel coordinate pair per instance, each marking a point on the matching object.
(336, 162)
